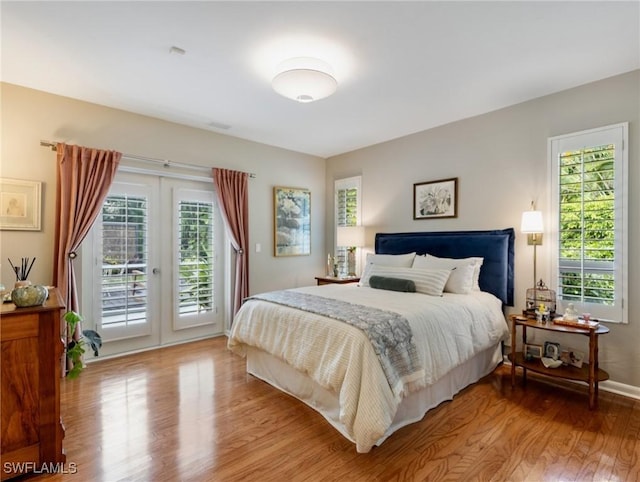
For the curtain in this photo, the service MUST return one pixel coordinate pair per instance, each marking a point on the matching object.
(84, 176)
(231, 191)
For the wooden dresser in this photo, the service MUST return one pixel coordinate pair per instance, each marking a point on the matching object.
(31, 429)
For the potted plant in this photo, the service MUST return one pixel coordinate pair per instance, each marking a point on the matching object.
(76, 348)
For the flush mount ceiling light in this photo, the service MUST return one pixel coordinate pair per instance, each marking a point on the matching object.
(304, 79)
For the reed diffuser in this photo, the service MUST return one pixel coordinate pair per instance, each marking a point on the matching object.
(22, 271)
(25, 294)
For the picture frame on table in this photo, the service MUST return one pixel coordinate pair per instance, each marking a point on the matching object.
(572, 357)
(532, 351)
(552, 350)
(292, 221)
(435, 199)
(20, 205)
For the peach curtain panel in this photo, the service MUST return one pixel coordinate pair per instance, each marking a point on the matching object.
(84, 177)
(232, 193)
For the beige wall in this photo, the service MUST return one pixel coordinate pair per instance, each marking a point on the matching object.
(500, 159)
(29, 116)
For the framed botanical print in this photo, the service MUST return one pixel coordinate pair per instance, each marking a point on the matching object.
(292, 221)
(435, 199)
(20, 205)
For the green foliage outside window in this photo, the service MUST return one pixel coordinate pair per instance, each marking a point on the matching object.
(347, 215)
(587, 225)
(196, 255)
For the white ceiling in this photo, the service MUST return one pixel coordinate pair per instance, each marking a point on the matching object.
(402, 67)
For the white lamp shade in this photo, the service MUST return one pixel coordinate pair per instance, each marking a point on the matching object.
(532, 222)
(350, 236)
(304, 79)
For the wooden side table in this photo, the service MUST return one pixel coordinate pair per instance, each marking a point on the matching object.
(326, 280)
(588, 372)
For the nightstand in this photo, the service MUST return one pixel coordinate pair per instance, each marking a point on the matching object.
(589, 372)
(327, 280)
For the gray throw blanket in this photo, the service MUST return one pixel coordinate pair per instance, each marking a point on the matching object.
(389, 333)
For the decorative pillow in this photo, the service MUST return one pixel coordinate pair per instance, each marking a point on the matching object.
(392, 284)
(427, 281)
(465, 271)
(398, 260)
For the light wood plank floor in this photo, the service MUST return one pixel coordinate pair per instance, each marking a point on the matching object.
(191, 413)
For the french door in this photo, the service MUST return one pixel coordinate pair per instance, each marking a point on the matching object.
(152, 265)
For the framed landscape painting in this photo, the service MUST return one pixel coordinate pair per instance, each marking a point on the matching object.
(435, 199)
(292, 221)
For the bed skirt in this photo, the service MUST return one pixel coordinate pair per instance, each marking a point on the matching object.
(412, 409)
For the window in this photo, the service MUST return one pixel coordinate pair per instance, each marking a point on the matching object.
(124, 232)
(194, 257)
(589, 214)
(348, 209)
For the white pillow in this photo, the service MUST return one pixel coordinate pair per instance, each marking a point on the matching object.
(476, 268)
(464, 277)
(427, 281)
(398, 260)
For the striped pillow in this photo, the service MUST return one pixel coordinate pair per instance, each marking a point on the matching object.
(427, 281)
(398, 260)
(465, 277)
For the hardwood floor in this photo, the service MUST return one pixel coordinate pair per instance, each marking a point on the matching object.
(191, 413)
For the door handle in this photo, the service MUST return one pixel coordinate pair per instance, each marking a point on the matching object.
(155, 270)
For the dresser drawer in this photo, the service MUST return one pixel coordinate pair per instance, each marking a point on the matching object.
(19, 326)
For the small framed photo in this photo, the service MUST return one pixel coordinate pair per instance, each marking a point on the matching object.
(532, 351)
(20, 205)
(435, 199)
(552, 350)
(572, 357)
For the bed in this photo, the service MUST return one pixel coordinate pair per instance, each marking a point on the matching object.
(310, 342)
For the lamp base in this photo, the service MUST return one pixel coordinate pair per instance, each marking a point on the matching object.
(351, 263)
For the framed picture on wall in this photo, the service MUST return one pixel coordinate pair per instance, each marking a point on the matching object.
(20, 205)
(435, 199)
(292, 221)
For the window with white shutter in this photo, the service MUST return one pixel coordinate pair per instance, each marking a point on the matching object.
(195, 258)
(347, 213)
(124, 236)
(589, 213)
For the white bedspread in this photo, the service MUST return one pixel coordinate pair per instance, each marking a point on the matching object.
(448, 331)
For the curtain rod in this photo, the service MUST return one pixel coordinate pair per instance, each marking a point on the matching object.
(165, 162)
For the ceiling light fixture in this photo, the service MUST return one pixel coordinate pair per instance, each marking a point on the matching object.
(304, 79)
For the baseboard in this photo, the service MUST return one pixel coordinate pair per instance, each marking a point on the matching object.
(100, 358)
(620, 389)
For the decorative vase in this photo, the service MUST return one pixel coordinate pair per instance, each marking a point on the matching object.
(29, 295)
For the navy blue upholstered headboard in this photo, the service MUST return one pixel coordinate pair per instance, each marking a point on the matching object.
(496, 247)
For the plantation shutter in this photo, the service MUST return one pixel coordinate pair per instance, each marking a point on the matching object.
(124, 264)
(195, 279)
(347, 202)
(586, 269)
(195, 257)
(347, 206)
(590, 195)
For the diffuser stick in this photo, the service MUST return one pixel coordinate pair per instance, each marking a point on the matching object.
(15, 270)
(26, 275)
